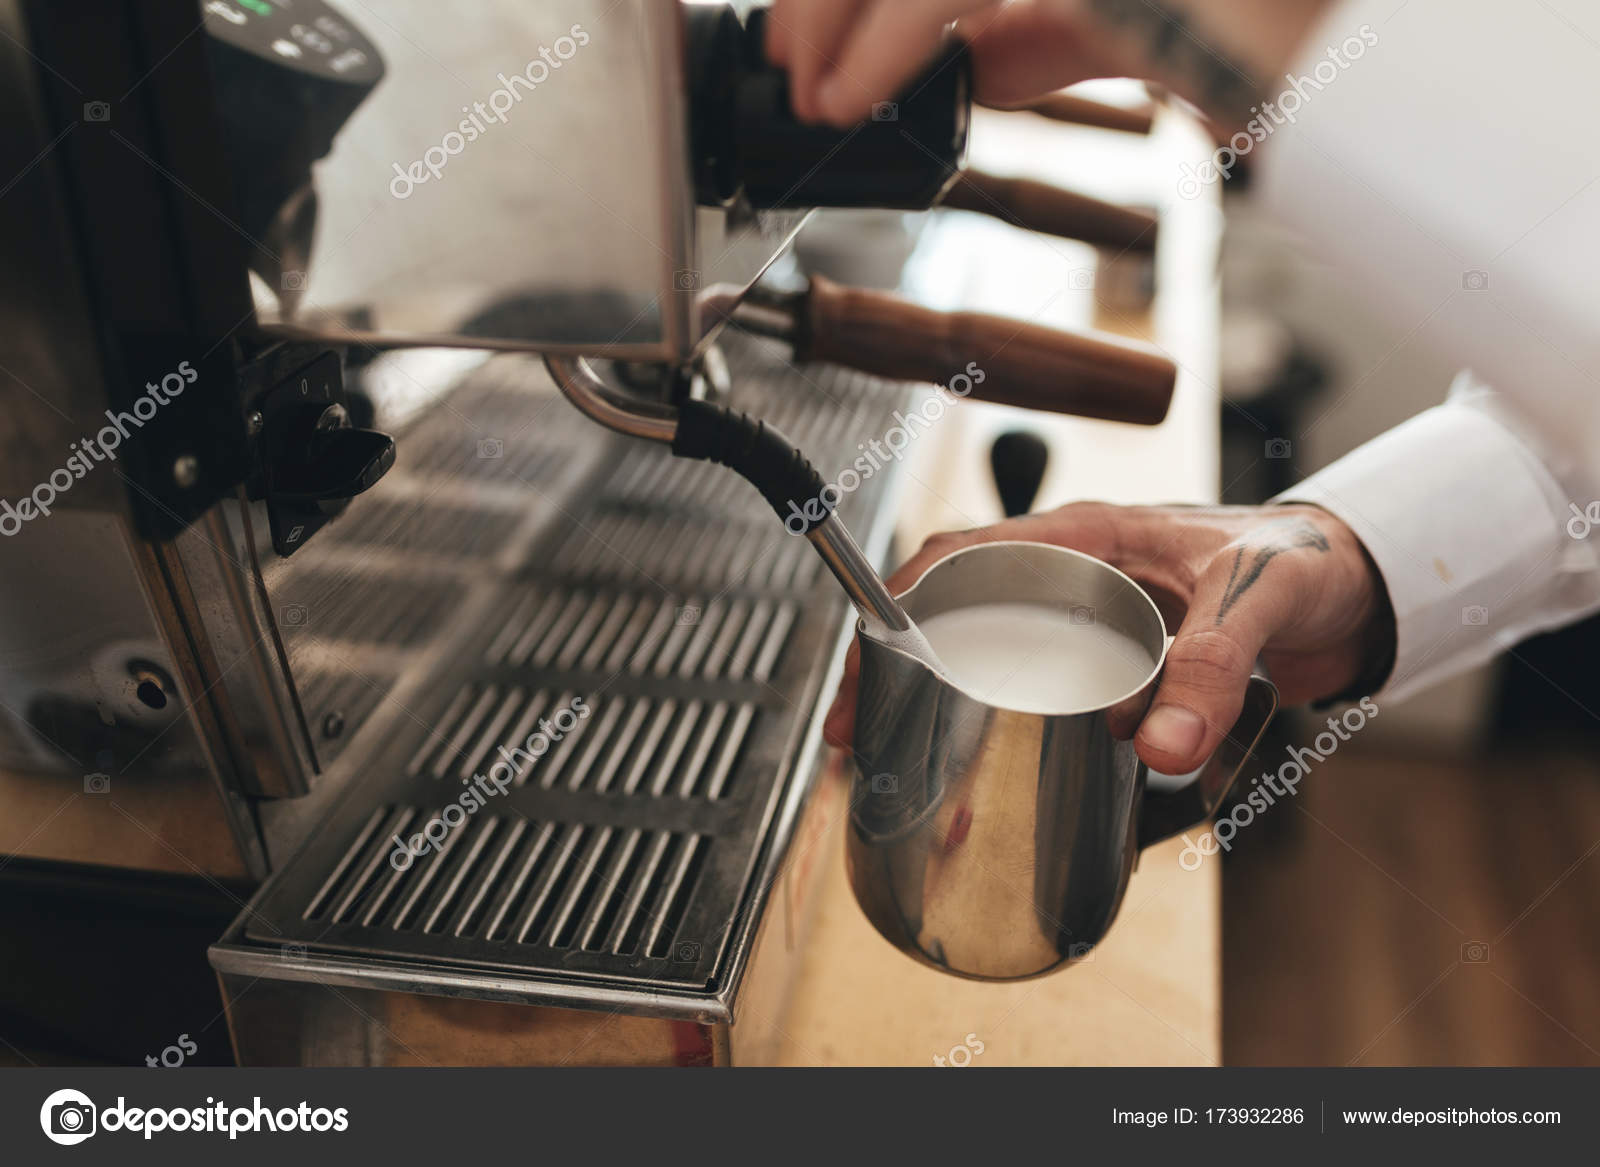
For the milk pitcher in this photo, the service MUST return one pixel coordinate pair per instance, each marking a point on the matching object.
(997, 844)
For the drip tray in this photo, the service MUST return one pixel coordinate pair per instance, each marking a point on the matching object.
(587, 805)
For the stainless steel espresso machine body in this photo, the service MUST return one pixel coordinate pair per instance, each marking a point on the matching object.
(305, 562)
(493, 730)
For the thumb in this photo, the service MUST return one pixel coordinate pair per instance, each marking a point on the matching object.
(1209, 664)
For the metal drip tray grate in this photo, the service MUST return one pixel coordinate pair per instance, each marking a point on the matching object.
(588, 786)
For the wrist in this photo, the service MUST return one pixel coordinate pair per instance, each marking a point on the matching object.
(1221, 55)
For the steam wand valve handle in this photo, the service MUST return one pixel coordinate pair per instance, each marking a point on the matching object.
(1018, 460)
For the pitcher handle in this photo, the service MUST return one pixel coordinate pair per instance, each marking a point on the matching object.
(1167, 812)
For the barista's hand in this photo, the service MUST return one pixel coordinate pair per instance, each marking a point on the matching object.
(845, 55)
(1289, 584)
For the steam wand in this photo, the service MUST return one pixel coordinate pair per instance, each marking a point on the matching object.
(757, 452)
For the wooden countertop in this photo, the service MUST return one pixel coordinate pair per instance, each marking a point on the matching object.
(1151, 994)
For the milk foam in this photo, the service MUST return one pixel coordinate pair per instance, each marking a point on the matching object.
(1035, 659)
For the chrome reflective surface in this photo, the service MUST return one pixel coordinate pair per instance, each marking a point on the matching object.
(520, 178)
(996, 844)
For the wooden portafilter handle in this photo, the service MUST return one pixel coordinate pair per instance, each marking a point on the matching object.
(1038, 206)
(990, 358)
(1080, 111)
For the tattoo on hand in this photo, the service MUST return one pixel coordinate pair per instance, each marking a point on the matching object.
(1285, 535)
(1221, 85)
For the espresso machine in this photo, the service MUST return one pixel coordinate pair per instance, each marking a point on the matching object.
(305, 551)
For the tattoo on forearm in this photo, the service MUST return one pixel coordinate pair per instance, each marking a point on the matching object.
(1222, 85)
(1287, 535)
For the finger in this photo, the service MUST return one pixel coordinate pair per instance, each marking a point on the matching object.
(1021, 51)
(815, 32)
(1241, 601)
(777, 32)
(889, 45)
(839, 729)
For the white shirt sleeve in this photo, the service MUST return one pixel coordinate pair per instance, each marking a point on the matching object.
(1475, 534)
(1453, 168)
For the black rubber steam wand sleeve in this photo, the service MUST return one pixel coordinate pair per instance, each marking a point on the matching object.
(761, 455)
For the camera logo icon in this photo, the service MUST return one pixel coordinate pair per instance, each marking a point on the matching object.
(68, 1117)
(686, 951)
(1081, 279)
(885, 111)
(293, 616)
(97, 783)
(1475, 281)
(1081, 615)
(1080, 952)
(1280, 448)
(1475, 952)
(688, 614)
(686, 280)
(1474, 616)
(294, 281)
(491, 448)
(97, 111)
(885, 784)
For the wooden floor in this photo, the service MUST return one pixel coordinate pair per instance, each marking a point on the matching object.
(1418, 912)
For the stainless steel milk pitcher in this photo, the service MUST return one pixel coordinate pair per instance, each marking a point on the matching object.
(996, 844)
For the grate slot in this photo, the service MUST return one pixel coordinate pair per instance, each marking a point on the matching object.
(704, 740)
(517, 738)
(473, 758)
(722, 647)
(604, 720)
(604, 907)
(647, 748)
(542, 899)
(582, 635)
(528, 868)
(580, 888)
(661, 627)
(680, 739)
(555, 759)
(717, 781)
(673, 898)
(705, 632)
(348, 859)
(777, 636)
(629, 922)
(491, 878)
(425, 872)
(621, 609)
(638, 710)
(521, 612)
(536, 629)
(630, 636)
(370, 866)
(760, 619)
(483, 834)
(469, 726)
(556, 636)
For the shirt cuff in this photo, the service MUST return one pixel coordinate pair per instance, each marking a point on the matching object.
(1455, 512)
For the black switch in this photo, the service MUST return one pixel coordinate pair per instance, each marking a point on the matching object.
(314, 460)
(1018, 460)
